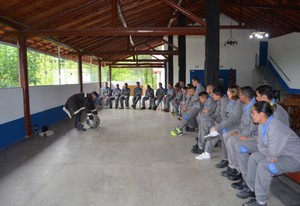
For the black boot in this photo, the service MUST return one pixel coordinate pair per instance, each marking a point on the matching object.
(79, 127)
(222, 164)
(239, 185)
(245, 193)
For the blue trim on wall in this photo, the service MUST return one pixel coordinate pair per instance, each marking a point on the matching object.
(14, 131)
(286, 87)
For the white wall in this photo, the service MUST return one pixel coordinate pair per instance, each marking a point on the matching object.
(285, 50)
(41, 98)
(240, 57)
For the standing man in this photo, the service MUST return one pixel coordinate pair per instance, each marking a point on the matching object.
(115, 96)
(78, 102)
(148, 96)
(125, 93)
(137, 95)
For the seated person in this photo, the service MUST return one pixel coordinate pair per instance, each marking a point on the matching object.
(148, 96)
(278, 153)
(183, 103)
(230, 123)
(168, 97)
(191, 104)
(105, 94)
(125, 94)
(176, 101)
(78, 102)
(115, 96)
(137, 95)
(160, 92)
(249, 145)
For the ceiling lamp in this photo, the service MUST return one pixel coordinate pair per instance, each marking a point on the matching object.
(259, 35)
(230, 41)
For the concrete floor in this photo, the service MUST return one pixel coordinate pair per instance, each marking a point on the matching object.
(130, 160)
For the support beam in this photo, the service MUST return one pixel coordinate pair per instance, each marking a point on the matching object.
(110, 76)
(23, 75)
(99, 73)
(185, 12)
(182, 51)
(100, 53)
(170, 60)
(142, 31)
(135, 60)
(212, 42)
(114, 13)
(80, 72)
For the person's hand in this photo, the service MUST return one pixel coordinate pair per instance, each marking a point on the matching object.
(212, 129)
(91, 117)
(205, 111)
(234, 134)
(272, 160)
(243, 138)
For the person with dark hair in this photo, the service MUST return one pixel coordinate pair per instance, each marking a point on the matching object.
(115, 96)
(149, 95)
(168, 97)
(230, 123)
(205, 115)
(206, 145)
(249, 145)
(199, 88)
(246, 130)
(125, 94)
(278, 153)
(78, 102)
(105, 94)
(190, 104)
(160, 92)
(137, 95)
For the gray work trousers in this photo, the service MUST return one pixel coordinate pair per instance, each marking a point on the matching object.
(204, 124)
(144, 99)
(259, 176)
(224, 139)
(156, 101)
(111, 99)
(192, 114)
(231, 152)
(167, 101)
(135, 100)
(126, 98)
(242, 158)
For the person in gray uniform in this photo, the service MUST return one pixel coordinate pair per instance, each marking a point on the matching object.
(230, 123)
(105, 94)
(176, 101)
(125, 94)
(149, 95)
(190, 103)
(183, 103)
(160, 93)
(168, 97)
(246, 129)
(244, 146)
(115, 96)
(219, 114)
(278, 153)
(204, 116)
(137, 95)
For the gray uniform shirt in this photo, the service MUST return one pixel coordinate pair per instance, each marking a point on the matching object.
(247, 128)
(220, 112)
(282, 115)
(278, 140)
(233, 117)
(160, 92)
(211, 105)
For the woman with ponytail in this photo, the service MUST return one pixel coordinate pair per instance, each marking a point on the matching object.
(278, 153)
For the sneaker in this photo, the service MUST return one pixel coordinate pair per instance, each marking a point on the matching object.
(197, 150)
(154, 108)
(173, 113)
(143, 108)
(133, 106)
(239, 185)
(245, 193)
(195, 146)
(203, 156)
(254, 202)
(173, 133)
(150, 107)
(81, 129)
(178, 130)
(222, 164)
(166, 110)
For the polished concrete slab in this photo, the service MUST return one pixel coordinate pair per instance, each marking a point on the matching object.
(129, 160)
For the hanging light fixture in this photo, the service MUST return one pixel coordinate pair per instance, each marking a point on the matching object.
(258, 34)
(231, 41)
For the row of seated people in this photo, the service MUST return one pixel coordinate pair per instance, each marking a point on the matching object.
(121, 96)
(257, 142)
